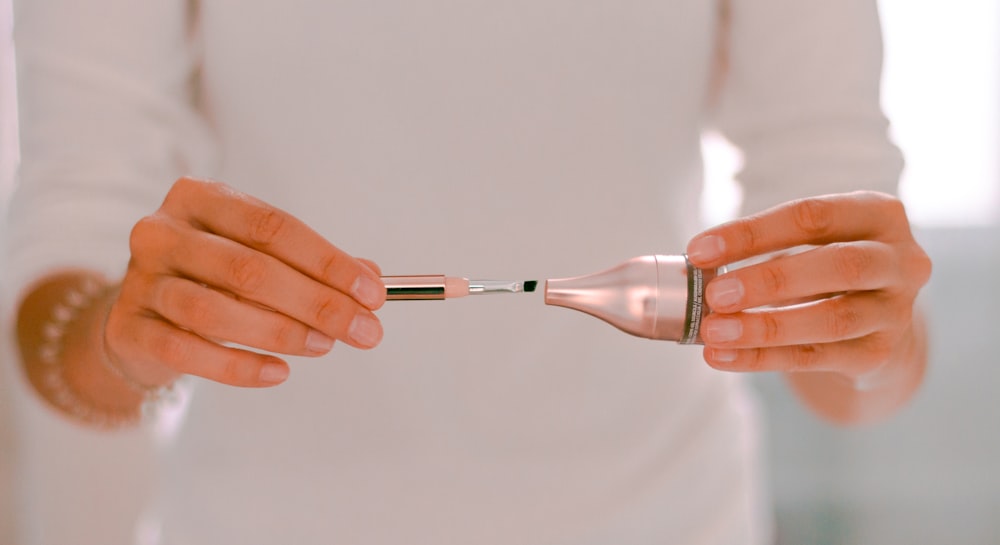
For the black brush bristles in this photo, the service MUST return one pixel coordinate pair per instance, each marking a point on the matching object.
(530, 285)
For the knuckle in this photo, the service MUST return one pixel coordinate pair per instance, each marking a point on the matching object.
(771, 327)
(182, 189)
(237, 370)
(185, 183)
(804, 357)
(326, 311)
(246, 273)
(144, 235)
(893, 211)
(266, 225)
(893, 206)
(773, 278)
(195, 310)
(329, 265)
(813, 217)
(843, 320)
(754, 361)
(852, 263)
(749, 233)
(921, 266)
(287, 335)
(177, 190)
(171, 349)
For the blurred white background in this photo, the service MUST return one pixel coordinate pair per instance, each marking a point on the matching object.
(931, 474)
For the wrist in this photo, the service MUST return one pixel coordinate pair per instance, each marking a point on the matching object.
(875, 395)
(57, 323)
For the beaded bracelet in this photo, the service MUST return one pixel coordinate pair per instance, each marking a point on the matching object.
(53, 377)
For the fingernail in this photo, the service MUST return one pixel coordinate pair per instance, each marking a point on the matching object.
(318, 343)
(724, 356)
(725, 292)
(365, 330)
(273, 373)
(367, 291)
(708, 248)
(723, 330)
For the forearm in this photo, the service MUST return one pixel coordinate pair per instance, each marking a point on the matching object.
(60, 327)
(843, 401)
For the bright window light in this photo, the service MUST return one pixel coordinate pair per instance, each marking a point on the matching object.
(941, 91)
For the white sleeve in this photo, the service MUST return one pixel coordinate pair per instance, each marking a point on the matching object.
(800, 99)
(107, 121)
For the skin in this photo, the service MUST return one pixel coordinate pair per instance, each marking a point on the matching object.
(214, 267)
(211, 266)
(837, 319)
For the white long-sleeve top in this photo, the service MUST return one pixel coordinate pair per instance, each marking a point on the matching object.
(493, 139)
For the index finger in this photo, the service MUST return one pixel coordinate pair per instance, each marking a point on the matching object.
(220, 209)
(862, 215)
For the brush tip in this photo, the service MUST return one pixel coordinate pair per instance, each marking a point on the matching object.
(530, 285)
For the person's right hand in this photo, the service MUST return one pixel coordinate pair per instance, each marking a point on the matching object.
(214, 266)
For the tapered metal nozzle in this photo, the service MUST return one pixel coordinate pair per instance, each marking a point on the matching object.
(654, 296)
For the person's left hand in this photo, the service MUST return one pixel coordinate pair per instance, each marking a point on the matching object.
(845, 306)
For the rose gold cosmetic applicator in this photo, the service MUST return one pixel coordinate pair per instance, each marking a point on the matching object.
(655, 296)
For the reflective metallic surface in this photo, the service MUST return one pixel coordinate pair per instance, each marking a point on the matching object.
(654, 296)
(429, 286)
(494, 286)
